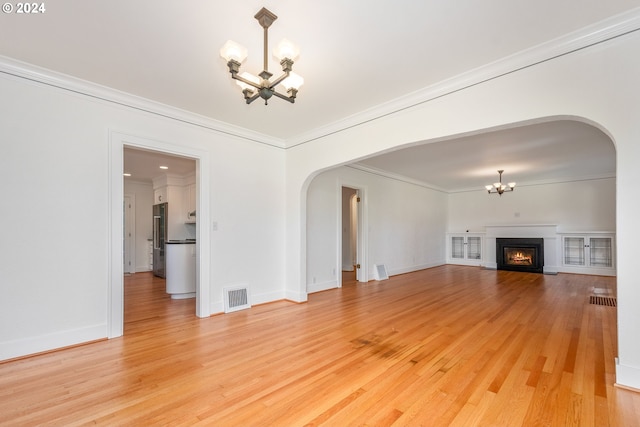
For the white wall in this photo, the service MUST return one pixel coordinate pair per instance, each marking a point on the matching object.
(56, 239)
(572, 206)
(406, 225)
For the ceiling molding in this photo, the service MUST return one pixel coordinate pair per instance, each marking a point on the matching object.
(602, 31)
(23, 70)
(394, 176)
(402, 178)
(605, 30)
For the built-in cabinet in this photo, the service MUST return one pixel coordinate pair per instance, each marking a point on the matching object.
(465, 248)
(588, 253)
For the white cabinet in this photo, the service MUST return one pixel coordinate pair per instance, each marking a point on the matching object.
(588, 253)
(159, 195)
(465, 248)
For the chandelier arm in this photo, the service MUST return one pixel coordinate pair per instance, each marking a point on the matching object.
(249, 100)
(291, 99)
(277, 81)
(243, 80)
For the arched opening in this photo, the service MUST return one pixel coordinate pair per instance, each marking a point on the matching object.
(565, 171)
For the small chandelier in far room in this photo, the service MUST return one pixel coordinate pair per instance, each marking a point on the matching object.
(260, 86)
(498, 187)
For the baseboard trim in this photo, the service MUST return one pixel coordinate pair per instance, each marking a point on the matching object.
(58, 340)
(319, 287)
(627, 376)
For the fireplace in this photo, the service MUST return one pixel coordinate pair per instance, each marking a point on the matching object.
(520, 254)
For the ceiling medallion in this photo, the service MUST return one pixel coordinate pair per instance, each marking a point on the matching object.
(254, 87)
(498, 187)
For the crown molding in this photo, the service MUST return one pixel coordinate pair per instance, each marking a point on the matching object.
(597, 33)
(33, 73)
(602, 31)
(394, 176)
(406, 179)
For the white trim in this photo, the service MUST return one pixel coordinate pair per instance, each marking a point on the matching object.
(319, 287)
(117, 142)
(627, 376)
(51, 78)
(48, 342)
(599, 32)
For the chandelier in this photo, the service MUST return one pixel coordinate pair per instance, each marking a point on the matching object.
(261, 86)
(498, 187)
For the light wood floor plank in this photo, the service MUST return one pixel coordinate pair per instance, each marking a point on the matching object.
(447, 346)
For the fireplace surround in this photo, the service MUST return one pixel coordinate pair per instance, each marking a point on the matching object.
(520, 254)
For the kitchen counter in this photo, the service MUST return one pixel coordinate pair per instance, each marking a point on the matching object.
(181, 268)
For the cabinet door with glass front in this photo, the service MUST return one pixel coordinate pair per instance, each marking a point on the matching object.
(588, 251)
(465, 248)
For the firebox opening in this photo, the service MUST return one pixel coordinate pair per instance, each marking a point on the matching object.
(520, 254)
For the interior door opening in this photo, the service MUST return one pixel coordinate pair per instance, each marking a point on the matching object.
(350, 236)
(156, 180)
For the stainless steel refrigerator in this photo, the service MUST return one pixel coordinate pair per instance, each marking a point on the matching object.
(160, 214)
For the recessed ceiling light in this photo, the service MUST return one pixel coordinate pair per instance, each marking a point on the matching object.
(164, 167)
(126, 174)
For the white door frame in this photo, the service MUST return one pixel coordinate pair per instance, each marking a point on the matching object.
(362, 275)
(117, 142)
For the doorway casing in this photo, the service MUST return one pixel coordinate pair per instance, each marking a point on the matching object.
(115, 298)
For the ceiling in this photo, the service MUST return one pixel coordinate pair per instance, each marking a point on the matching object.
(355, 55)
(144, 165)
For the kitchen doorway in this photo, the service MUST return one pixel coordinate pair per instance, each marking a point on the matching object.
(118, 143)
(159, 182)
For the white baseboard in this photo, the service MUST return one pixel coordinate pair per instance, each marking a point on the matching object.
(627, 376)
(317, 287)
(411, 269)
(47, 342)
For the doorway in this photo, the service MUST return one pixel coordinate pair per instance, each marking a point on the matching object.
(351, 237)
(164, 186)
(118, 143)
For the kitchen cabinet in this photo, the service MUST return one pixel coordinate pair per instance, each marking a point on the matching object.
(465, 248)
(159, 195)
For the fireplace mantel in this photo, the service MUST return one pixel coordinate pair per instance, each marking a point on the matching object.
(522, 230)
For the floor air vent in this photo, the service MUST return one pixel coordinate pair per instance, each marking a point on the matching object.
(236, 298)
(599, 300)
(380, 272)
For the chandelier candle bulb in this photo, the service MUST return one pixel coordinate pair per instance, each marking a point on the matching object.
(233, 51)
(294, 81)
(286, 50)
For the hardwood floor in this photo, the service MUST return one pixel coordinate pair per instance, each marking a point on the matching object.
(447, 346)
